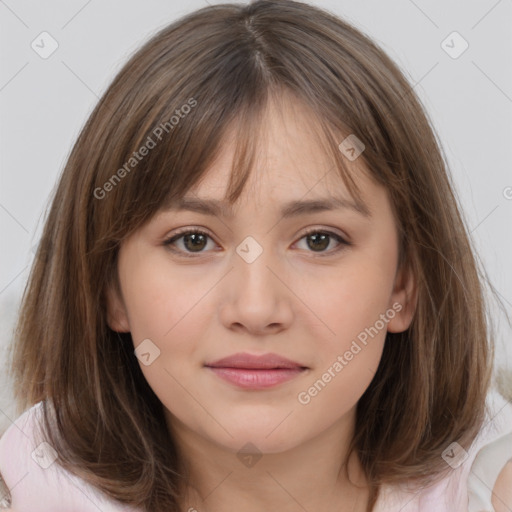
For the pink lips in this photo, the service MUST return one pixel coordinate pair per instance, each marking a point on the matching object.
(255, 372)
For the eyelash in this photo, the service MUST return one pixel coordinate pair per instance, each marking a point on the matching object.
(187, 231)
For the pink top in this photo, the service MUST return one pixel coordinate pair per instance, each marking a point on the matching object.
(38, 484)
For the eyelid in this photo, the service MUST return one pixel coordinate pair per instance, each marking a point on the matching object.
(330, 231)
(188, 229)
(307, 231)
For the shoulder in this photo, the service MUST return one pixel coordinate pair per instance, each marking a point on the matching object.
(36, 482)
(490, 477)
(456, 490)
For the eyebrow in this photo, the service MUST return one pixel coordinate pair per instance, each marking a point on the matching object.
(290, 209)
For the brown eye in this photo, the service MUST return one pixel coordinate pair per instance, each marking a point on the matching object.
(318, 241)
(193, 241)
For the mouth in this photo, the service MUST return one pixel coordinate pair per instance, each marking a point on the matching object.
(256, 371)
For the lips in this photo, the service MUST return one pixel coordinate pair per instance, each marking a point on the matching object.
(249, 361)
(248, 371)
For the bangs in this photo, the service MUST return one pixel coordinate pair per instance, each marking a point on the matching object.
(177, 163)
(246, 132)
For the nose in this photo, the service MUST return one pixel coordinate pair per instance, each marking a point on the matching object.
(255, 295)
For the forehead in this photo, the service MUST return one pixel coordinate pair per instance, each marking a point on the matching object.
(291, 157)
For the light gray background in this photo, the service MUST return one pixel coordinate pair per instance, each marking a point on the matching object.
(45, 102)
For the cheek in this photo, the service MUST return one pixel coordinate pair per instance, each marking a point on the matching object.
(336, 389)
(161, 303)
(167, 309)
(349, 349)
(354, 310)
(351, 301)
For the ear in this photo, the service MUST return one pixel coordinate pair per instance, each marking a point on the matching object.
(403, 300)
(117, 317)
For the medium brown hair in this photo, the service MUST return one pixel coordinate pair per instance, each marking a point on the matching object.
(108, 425)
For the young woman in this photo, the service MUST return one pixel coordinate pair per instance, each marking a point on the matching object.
(254, 290)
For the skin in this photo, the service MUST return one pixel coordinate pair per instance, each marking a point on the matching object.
(502, 492)
(291, 300)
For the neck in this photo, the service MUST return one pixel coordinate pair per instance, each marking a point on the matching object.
(310, 476)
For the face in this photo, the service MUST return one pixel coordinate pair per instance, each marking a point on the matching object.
(320, 289)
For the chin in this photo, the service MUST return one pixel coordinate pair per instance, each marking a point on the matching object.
(269, 435)
(256, 443)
